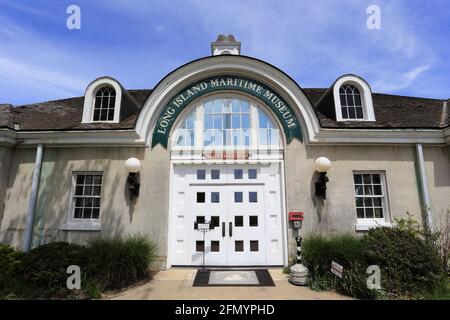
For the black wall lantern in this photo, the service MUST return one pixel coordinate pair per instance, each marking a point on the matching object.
(322, 165)
(133, 166)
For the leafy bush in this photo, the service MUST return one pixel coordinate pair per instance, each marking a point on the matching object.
(440, 292)
(9, 265)
(45, 267)
(409, 262)
(9, 260)
(318, 253)
(116, 263)
(354, 284)
(442, 235)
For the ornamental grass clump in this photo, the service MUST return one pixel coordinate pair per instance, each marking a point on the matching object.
(347, 250)
(118, 262)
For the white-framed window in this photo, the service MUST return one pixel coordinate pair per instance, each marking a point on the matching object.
(102, 101)
(353, 99)
(104, 104)
(351, 103)
(85, 201)
(371, 200)
(227, 122)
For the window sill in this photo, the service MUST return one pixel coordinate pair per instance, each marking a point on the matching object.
(366, 226)
(81, 226)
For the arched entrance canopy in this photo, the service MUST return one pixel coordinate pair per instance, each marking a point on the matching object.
(228, 73)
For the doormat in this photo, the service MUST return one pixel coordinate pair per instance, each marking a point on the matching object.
(233, 278)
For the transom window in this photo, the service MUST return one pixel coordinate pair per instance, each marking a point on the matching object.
(370, 196)
(87, 196)
(227, 122)
(351, 103)
(104, 104)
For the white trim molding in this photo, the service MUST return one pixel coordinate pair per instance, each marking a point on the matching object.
(230, 65)
(82, 226)
(89, 99)
(8, 137)
(366, 97)
(79, 138)
(380, 136)
(366, 226)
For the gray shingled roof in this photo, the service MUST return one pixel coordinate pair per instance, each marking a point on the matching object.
(63, 114)
(391, 111)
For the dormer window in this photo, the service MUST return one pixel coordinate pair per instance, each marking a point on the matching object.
(102, 101)
(353, 99)
(351, 105)
(104, 105)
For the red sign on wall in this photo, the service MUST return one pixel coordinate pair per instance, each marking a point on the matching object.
(295, 216)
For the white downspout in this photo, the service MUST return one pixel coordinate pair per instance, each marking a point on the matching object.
(28, 236)
(424, 186)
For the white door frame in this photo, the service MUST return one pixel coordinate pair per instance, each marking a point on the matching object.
(171, 220)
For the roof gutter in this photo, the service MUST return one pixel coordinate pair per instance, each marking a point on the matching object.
(28, 235)
(425, 193)
(444, 114)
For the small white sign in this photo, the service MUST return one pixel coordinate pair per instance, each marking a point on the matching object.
(203, 226)
(337, 269)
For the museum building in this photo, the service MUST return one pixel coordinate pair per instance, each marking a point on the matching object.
(227, 141)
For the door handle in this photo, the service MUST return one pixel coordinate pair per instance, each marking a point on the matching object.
(223, 229)
(230, 229)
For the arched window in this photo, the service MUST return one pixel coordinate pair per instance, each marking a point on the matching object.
(227, 122)
(351, 102)
(268, 134)
(104, 104)
(186, 132)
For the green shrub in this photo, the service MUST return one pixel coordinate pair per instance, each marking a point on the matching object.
(347, 250)
(116, 263)
(440, 292)
(9, 265)
(409, 262)
(354, 284)
(9, 260)
(45, 267)
(318, 251)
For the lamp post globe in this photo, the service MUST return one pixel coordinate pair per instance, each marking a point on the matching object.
(322, 164)
(133, 165)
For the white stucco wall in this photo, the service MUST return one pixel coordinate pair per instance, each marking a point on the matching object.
(149, 213)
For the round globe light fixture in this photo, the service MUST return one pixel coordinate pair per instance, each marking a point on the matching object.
(322, 164)
(133, 165)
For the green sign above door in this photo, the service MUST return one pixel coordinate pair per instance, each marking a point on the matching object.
(281, 109)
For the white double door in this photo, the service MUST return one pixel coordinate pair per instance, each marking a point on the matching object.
(244, 209)
(237, 214)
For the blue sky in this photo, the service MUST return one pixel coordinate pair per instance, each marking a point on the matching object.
(138, 42)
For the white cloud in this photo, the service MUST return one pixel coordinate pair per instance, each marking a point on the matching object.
(313, 41)
(37, 78)
(395, 82)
